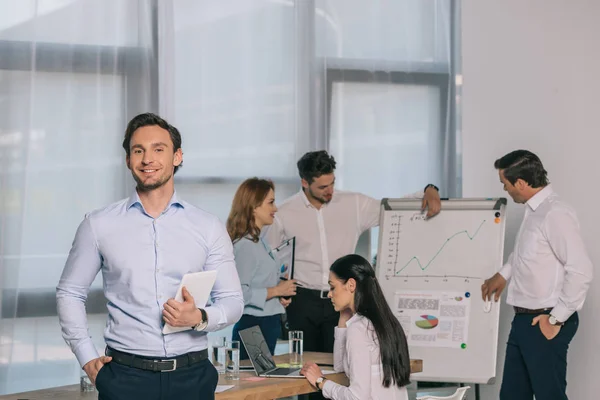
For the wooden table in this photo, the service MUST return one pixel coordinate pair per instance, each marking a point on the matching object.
(268, 388)
(274, 388)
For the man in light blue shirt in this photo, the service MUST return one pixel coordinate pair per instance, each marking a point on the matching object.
(143, 246)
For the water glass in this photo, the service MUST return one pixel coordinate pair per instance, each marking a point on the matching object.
(85, 384)
(296, 347)
(218, 357)
(232, 350)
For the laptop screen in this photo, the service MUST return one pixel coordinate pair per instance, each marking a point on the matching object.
(257, 349)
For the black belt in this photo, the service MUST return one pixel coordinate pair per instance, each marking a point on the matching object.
(521, 310)
(313, 292)
(156, 365)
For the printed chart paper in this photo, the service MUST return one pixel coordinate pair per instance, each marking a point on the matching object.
(433, 318)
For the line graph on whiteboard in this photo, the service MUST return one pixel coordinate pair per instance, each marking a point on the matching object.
(444, 249)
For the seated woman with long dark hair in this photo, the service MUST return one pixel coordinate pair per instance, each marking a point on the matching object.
(370, 345)
(253, 207)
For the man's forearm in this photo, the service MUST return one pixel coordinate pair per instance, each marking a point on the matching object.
(73, 322)
(224, 312)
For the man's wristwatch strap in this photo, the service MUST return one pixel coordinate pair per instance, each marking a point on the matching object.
(321, 384)
(202, 324)
(553, 321)
(431, 185)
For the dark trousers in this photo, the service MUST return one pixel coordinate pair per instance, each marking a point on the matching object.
(535, 365)
(120, 382)
(270, 327)
(315, 317)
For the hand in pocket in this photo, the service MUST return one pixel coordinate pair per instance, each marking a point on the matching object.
(549, 331)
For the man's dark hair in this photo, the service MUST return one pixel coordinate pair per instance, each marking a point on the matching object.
(149, 119)
(523, 164)
(314, 164)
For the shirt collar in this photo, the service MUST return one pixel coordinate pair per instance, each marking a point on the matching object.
(352, 320)
(308, 203)
(537, 199)
(305, 199)
(134, 199)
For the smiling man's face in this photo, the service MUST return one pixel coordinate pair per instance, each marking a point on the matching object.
(152, 159)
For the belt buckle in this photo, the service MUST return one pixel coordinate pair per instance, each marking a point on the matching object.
(174, 365)
(326, 294)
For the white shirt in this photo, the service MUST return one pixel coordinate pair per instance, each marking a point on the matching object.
(356, 352)
(323, 235)
(549, 266)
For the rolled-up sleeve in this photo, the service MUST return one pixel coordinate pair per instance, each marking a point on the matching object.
(81, 268)
(226, 295)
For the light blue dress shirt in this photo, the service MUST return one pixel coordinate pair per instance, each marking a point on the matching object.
(258, 269)
(143, 260)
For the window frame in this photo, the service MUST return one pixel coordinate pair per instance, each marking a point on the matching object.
(124, 61)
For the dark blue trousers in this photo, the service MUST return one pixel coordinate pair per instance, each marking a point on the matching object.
(120, 382)
(269, 325)
(535, 365)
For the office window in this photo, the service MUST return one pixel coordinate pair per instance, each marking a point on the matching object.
(388, 95)
(71, 74)
(251, 84)
(233, 97)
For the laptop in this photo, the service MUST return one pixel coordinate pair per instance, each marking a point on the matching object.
(261, 357)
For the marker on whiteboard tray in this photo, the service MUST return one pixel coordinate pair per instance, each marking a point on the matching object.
(487, 305)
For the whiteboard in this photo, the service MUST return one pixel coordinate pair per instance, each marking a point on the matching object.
(431, 272)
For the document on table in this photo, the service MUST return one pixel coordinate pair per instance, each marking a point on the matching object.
(222, 388)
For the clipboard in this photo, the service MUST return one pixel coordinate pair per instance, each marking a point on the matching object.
(199, 284)
(286, 253)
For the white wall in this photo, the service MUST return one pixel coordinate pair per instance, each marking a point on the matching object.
(531, 81)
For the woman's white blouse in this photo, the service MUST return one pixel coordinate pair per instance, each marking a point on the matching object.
(356, 352)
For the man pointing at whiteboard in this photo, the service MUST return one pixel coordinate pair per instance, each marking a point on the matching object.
(550, 273)
(326, 226)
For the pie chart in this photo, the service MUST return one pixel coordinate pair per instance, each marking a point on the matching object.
(428, 322)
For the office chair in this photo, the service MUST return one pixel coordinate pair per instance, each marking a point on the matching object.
(460, 394)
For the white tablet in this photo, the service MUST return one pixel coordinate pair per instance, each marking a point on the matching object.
(199, 284)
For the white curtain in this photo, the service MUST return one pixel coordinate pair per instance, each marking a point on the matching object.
(251, 84)
(384, 80)
(254, 84)
(71, 74)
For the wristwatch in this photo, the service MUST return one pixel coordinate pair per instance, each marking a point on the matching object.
(553, 321)
(319, 380)
(202, 324)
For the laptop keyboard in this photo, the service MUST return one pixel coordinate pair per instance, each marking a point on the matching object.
(282, 371)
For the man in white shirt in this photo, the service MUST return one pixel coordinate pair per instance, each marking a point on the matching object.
(326, 228)
(550, 273)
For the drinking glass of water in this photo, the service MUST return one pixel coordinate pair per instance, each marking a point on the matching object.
(218, 358)
(296, 343)
(232, 350)
(85, 384)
